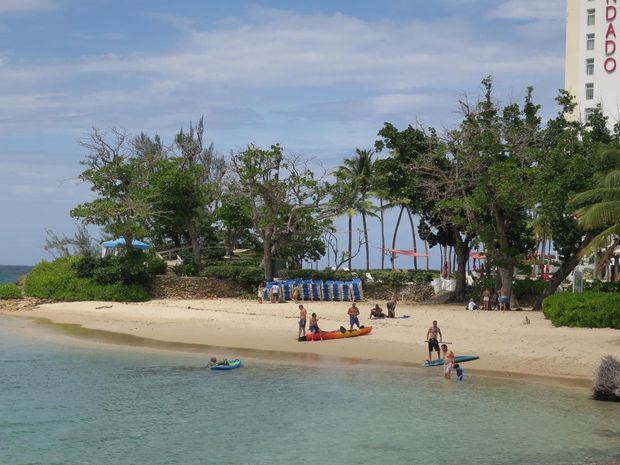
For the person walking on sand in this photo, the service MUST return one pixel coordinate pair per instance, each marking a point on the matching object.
(448, 361)
(433, 337)
(353, 313)
(391, 308)
(261, 292)
(302, 321)
(314, 326)
(486, 299)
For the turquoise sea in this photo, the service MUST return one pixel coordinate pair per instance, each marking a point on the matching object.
(9, 273)
(66, 402)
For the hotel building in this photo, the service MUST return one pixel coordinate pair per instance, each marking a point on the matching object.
(592, 71)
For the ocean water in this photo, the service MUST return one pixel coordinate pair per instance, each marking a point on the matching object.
(74, 404)
(9, 273)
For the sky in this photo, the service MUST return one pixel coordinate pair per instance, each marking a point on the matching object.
(318, 77)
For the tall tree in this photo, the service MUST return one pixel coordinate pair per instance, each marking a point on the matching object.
(284, 197)
(357, 174)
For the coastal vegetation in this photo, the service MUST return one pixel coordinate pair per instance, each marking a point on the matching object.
(501, 182)
(10, 291)
(585, 310)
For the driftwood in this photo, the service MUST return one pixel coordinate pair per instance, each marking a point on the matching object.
(607, 380)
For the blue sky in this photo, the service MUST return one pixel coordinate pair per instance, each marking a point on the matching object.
(320, 77)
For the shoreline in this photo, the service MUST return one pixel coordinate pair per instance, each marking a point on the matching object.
(268, 331)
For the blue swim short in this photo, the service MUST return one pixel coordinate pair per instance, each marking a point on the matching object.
(353, 320)
(302, 323)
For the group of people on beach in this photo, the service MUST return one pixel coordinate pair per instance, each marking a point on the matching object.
(500, 302)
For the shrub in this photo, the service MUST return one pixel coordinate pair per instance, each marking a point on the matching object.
(587, 309)
(10, 291)
(214, 253)
(155, 265)
(186, 269)
(129, 267)
(387, 276)
(603, 286)
(248, 274)
(58, 280)
(527, 288)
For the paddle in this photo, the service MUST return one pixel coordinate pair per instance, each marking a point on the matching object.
(442, 342)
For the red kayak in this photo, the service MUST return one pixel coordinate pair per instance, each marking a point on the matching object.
(325, 335)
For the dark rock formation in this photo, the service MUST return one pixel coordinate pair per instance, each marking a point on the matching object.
(607, 380)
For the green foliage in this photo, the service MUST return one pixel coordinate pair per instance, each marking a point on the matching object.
(586, 310)
(485, 283)
(247, 274)
(185, 269)
(129, 267)
(603, 286)
(10, 291)
(59, 281)
(528, 288)
(386, 276)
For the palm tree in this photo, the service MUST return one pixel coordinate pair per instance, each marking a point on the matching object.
(356, 174)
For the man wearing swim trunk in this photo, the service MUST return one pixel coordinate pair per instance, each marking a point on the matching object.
(302, 321)
(353, 316)
(314, 326)
(433, 337)
(448, 361)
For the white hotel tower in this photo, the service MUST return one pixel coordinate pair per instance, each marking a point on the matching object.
(592, 72)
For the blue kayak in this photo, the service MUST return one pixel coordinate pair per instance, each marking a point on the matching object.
(231, 365)
(460, 359)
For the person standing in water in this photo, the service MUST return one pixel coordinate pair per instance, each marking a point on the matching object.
(353, 313)
(448, 361)
(302, 321)
(433, 337)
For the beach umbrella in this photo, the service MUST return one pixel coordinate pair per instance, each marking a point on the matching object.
(120, 242)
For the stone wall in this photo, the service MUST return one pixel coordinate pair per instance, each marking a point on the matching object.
(382, 292)
(184, 287)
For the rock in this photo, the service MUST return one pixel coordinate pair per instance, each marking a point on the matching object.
(190, 288)
(607, 380)
(404, 293)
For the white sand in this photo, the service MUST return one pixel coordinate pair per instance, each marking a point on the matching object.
(502, 341)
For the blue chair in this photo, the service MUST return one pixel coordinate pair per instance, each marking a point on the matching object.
(328, 290)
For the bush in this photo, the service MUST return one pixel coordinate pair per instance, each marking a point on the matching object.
(585, 310)
(214, 253)
(10, 291)
(247, 274)
(603, 286)
(527, 288)
(387, 276)
(130, 267)
(58, 280)
(186, 269)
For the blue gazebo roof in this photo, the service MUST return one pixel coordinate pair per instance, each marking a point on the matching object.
(120, 242)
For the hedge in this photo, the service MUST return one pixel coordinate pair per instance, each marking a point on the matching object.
(586, 310)
(58, 280)
(247, 274)
(10, 291)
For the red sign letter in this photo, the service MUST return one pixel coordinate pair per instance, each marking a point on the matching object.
(610, 65)
(610, 13)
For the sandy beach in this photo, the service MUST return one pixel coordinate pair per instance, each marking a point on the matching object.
(504, 343)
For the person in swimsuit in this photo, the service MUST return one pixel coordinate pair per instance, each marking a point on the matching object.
(353, 313)
(503, 299)
(433, 337)
(314, 326)
(448, 361)
(391, 308)
(261, 292)
(302, 321)
(486, 299)
(295, 294)
(376, 312)
(275, 293)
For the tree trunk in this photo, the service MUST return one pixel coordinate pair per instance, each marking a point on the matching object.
(382, 234)
(366, 240)
(193, 239)
(350, 239)
(267, 257)
(400, 215)
(428, 265)
(560, 275)
(461, 252)
(415, 242)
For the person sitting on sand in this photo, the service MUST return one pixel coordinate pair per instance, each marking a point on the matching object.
(472, 305)
(302, 321)
(353, 313)
(314, 326)
(448, 361)
(376, 312)
(433, 343)
(391, 308)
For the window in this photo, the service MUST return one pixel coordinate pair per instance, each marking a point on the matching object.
(590, 66)
(590, 91)
(590, 42)
(591, 16)
(588, 112)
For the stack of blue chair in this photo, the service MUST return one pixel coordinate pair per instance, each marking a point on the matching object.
(306, 287)
(358, 294)
(346, 290)
(316, 290)
(328, 290)
(337, 290)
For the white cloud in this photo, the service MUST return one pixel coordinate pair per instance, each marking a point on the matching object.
(530, 10)
(21, 6)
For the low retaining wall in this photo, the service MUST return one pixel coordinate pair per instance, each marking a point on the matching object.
(184, 287)
(404, 293)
